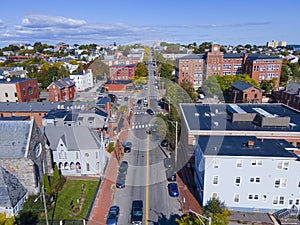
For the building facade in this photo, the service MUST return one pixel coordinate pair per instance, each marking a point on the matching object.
(290, 95)
(215, 62)
(83, 81)
(242, 92)
(121, 72)
(248, 174)
(61, 90)
(19, 90)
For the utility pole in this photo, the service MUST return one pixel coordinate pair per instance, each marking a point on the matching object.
(45, 206)
(176, 128)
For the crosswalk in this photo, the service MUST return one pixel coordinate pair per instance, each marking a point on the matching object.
(144, 112)
(141, 126)
(149, 97)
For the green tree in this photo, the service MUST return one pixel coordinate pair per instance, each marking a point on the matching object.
(46, 184)
(147, 52)
(188, 220)
(7, 221)
(158, 57)
(268, 85)
(211, 87)
(188, 87)
(56, 173)
(165, 70)
(141, 70)
(216, 209)
(285, 73)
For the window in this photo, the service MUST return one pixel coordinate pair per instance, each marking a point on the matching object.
(264, 198)
(216, 163)
(297, 202)
(256, 162)
(253, 196)
(236, 198)
(215, 180)
(281, 200)
(291, 202)
(6, 94)
(250, 196)
(280, 183)
(237, 181)
(282, 164)
(62, 155)
(239, 163)
(16, 95)
(87, 167)
(254, 179)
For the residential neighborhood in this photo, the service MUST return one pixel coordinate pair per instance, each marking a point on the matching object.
(198, 128)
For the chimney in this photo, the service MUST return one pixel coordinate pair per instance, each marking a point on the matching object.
(250, 143)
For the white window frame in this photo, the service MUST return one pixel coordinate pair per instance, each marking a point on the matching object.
(236, 198)
(239, 163)
(238, 178)
(216, 163)
(215, 180)
(281, 182)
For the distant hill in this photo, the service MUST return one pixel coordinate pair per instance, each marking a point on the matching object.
(294, 47)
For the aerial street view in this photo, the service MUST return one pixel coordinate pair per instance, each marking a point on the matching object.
(149, 113)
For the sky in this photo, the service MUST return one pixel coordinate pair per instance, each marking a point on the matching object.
(228, 22)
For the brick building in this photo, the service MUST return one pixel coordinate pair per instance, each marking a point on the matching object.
(61, 90)
(242, 92)
(121, 72)
(19, 90)
(197, 68)
(290, 95)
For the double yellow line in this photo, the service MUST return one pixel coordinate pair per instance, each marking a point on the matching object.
(147, 163)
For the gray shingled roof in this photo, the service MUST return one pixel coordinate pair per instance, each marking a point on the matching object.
(255, 56)
(75, 138)
(11, 189)
(292, 88)
(13, 138)
(241, 85)
(192, 56)
(232, 55)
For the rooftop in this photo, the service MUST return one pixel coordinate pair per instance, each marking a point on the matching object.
(245, 146)
(220, 117)
(241, 85)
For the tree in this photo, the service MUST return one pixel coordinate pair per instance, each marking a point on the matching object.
(56, 173)
(211, 87)
(158, 57)
(268, 85)
(188, 220)
(46, 183)
(147, 52)
(7, 221)
(165, 70)
(141, 70)
(216, 209)
(188, 87)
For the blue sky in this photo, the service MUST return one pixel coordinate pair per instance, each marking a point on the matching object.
(125, 22)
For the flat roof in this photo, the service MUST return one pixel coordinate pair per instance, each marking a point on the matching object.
(204, 117)
(238, 146)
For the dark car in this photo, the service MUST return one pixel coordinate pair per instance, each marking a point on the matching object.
(173, 190)
(164, 143)
(137, 212)
(113, 215)
(120, 183)
(150, 111)
(123, 167)
(113, 98)
(127, 146)
(171, 175)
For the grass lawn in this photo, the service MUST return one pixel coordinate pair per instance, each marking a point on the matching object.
(72, 203)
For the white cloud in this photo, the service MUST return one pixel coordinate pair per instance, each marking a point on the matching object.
(50, 21)
(2, 24)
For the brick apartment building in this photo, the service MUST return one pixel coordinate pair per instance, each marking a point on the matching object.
(19, 90)
(197, 68)
(121, 72)
(243, 92)
(61, 90)
(290, 95)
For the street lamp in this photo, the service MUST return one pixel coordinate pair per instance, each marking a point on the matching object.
(204, 217)
(176, 137)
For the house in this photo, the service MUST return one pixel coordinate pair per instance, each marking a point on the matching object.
(290, 95)
(77, 150)
(19, 90)
(243, 92)
(249, 174)
(121, 72)
(12, 193)
(83, 81)
(24, 152)
(118, 85)
(61, 90)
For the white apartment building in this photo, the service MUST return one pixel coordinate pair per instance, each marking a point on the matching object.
(247, 173)
(84, 80)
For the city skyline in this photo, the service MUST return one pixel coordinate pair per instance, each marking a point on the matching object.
(228, 23)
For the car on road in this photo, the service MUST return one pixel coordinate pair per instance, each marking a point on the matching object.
(127, 146)
(150, 111)
(171, 175)
(125, 98)
(164, 143)
(173, 190)
(137, 212)
(120, 183)
(112, 97)
(123, 167)
(113, 215)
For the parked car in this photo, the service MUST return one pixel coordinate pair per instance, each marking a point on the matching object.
(113, 98)
(137, 212)
(171, 175)
(164, 143)
(120, 183)
(113, 215)
(173, 190)
(125, 98)
(123, 167)
(150, 111)
(127, 146)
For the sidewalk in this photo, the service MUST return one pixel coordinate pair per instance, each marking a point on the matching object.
(186, 189)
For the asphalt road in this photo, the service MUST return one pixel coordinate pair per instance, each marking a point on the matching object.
(146, 178)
